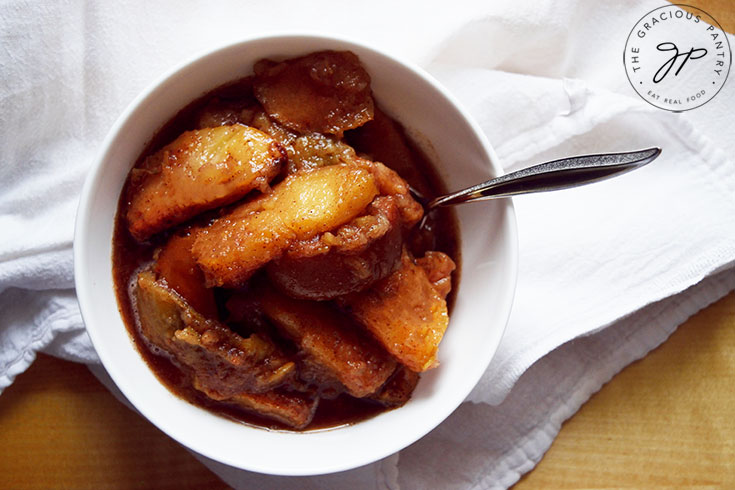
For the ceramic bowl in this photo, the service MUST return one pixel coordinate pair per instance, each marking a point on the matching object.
(462, 157)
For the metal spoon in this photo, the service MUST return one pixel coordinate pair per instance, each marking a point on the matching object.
(549, 176)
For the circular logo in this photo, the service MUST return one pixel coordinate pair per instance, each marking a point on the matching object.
(677, 57)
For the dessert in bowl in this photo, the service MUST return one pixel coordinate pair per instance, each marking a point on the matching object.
(266, 275)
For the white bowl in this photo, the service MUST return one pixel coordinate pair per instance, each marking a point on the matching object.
(488, 266)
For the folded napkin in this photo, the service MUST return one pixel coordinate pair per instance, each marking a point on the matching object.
(607, 271)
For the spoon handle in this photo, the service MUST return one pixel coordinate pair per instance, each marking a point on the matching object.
(551, 176)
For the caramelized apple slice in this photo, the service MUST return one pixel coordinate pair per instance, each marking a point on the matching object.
(405, 313)
(438, 267)
(331, 339)
(323, 92)
(357, 254)
(200, 170)
(219, 359)
(176, 266)
(398, 389)
(292, 409)
(300, 207)
(345, 260)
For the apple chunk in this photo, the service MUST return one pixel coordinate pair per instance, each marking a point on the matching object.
(324, 92)
(299, 208)
(200, 170)
(405, 312)
(220, 360)
(330, 339)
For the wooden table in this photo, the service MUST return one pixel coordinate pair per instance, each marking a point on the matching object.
(665, 421)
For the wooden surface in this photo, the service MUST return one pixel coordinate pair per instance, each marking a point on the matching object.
(61, 428)
(665, 421)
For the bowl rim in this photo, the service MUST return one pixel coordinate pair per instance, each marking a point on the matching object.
(81, 230)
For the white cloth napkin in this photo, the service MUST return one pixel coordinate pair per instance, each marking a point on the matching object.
(607, 272)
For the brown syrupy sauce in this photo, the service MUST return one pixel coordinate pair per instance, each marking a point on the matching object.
(382, 140)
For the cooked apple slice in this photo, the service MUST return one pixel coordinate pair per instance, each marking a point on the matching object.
(220, 360)
(176, 266)
(331, 339)
(323, 92)
(438, 267)
(405, 313)
(200, 170)
(300, 207)
(345, 260)
(293, 409)
(355, 255)
(398, 389)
